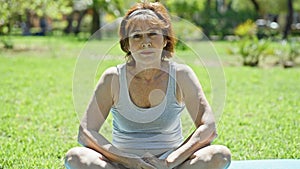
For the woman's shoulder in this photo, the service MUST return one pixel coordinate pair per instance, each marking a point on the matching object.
(110, 75)
(185, 75)
(111, 71)
(110, 80)
(182, 69)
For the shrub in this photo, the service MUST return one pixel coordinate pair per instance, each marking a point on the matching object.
(287, 53)
(7, 42)
(252, 50)
(246, 29)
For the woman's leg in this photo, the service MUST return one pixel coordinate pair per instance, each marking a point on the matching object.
(212, 157)
(85, 158)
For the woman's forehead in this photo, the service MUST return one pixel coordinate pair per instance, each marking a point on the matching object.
(143, 26)
(143, 23)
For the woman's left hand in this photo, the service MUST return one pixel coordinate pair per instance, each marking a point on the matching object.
(157, 163)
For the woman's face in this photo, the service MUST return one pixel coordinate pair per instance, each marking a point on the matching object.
(146, 42)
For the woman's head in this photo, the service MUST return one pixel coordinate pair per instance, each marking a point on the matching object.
(156, 18)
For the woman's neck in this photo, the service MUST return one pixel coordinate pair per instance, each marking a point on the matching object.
(140, 66)
(148, 73)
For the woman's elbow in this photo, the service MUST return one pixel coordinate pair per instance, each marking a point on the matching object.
(209, 133)
(81, 138)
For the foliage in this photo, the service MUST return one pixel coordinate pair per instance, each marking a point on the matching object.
(14, 8)
(265, 52)
(241, 5)
(287, 53)
(265, 6)
(181, 45)
(204, 13)
(113, 7)
(246, 29)
(7, 42)
(252, 50)
(14, 13)
(208, 17)
(294, 50)
(185, 9)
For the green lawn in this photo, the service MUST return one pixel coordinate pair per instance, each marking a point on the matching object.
(38, 123)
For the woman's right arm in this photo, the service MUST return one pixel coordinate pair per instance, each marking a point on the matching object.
(96, 114)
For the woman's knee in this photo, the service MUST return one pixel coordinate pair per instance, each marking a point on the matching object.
(73, 157)
(82, 157)
(213, 156)
(221, 156)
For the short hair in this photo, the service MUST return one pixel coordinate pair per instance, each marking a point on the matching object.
(154, 10)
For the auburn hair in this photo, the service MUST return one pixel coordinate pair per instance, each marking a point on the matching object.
(164, 22)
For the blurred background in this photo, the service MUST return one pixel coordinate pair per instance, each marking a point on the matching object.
(219, 19)
(260, 21)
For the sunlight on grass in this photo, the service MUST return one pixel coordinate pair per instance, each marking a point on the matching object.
(38, 122)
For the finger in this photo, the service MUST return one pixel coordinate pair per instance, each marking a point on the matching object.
(154, 162)
(149, 160)
(146, 165)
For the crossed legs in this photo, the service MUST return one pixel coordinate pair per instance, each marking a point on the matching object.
(85, 158)
(210, 157)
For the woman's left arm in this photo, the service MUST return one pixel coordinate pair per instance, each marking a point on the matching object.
(201, 113)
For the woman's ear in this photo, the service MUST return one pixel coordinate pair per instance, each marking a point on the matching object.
(165, 43)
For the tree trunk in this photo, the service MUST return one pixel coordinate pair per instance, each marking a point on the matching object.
(81, 15)
(96, 23)
(27, 24)
(289, 20)
(69, 27)
(221, 7)
(256, 5)
(207, 25)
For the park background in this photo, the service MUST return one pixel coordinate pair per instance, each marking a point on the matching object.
(257, 42)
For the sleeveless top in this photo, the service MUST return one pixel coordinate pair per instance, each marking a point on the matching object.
(147, 128)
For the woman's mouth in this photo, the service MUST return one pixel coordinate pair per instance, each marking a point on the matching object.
(147, 52)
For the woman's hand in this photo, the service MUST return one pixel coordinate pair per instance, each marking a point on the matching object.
(138, 163)
(157, 163)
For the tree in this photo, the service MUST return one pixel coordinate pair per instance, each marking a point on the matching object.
(256, 5)
(264, 7)
(113, 7)
(98, 8)
(13, 11)
(289, 19)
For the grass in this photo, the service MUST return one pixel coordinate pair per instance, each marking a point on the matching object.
(261, 116)
(38, 122)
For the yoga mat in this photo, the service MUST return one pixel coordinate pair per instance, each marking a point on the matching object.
(266, 164)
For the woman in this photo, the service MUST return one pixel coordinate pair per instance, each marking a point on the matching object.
(146, 96)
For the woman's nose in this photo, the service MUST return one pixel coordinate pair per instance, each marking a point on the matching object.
(146, 41)
(146, 45)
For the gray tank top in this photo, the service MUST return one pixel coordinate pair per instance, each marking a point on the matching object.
(147, 128)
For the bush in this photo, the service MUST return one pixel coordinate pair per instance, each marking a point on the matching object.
(252, 50)
(246, 29)
(287, 53)
(7, 42)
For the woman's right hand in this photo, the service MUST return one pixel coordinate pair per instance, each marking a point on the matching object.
(138, 163)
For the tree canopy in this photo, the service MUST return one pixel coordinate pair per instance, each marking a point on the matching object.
(214, 16)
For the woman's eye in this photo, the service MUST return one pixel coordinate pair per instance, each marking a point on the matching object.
(152, 34)
(137, 36)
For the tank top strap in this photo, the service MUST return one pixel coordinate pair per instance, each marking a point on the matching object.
(172, 79)
(121, 71)
(122, 79)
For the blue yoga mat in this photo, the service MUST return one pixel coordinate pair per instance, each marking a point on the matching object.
(266, 164)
